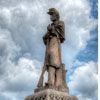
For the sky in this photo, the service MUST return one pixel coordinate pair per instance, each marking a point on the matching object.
(22, 26)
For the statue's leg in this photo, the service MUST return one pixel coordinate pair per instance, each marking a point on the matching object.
(51, 76)
(58, 77)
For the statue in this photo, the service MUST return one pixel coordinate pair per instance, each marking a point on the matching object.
(56, 87)
(53, 38)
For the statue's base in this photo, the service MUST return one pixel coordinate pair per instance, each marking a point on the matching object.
(51, 94)
(60, 88)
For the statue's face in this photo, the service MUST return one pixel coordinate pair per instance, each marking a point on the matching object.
(53, 17)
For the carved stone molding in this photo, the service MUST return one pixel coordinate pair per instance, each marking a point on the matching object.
(51, 94)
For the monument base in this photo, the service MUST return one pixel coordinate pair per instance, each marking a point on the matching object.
(51, 94)
(60, 88)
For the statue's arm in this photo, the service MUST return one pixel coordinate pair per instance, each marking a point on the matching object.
(45, 37)
(52, 31)
(60, 29)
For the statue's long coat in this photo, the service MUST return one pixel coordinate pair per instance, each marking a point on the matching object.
(53, 45)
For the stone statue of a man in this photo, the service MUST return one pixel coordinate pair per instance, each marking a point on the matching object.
(56, 87)
(53, 38)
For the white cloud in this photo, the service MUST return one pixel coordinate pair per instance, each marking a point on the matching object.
(84, 81)
(21, 77)
(18, 75)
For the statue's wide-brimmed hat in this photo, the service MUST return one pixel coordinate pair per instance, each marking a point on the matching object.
(52, 11)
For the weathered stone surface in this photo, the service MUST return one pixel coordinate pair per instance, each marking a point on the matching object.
(51, 94)
(55, 35)
(62, 88)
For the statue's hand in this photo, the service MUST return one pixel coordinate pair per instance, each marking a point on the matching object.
(47, 36)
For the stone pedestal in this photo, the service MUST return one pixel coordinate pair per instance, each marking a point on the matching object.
(50, 94)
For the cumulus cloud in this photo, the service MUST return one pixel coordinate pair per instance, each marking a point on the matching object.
(22, 25)
(20, 77)
(84, 81)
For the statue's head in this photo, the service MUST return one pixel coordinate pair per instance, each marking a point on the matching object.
(54, 14)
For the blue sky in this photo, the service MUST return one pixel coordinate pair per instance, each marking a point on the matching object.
(22, 25)
(91, 50)
(90, 53)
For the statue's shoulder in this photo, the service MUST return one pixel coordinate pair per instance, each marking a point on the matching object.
(61, 22)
